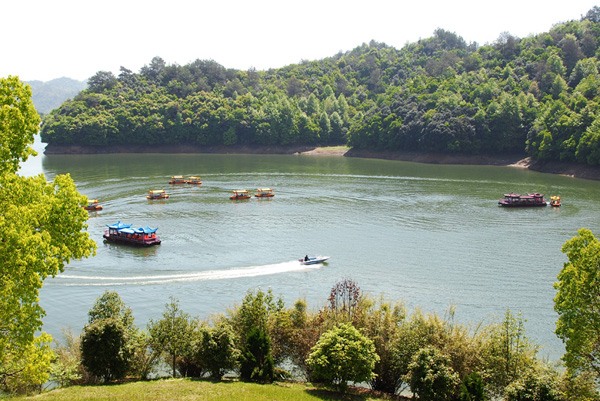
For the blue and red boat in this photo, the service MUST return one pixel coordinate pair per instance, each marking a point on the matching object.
(123, 233)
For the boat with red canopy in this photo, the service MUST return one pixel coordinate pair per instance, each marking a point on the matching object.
(516, 200)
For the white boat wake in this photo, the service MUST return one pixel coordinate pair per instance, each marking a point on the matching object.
(206, 275)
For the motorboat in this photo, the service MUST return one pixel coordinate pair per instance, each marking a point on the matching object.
(313, 261)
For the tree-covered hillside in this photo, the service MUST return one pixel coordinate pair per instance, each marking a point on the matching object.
(538, 95)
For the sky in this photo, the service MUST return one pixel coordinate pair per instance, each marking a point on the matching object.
(48, 39)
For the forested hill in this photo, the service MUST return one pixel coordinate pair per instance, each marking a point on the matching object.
(538, 95)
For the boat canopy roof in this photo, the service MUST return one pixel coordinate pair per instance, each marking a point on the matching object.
(92, 201)
(157, 191)
(514, 195)
(119, 225)
(237, 191)
(126, 228)
(177, 177)
(194, 177)
(145, 230)
(264, 190)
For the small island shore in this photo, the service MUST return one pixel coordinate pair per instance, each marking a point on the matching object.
(508, 160)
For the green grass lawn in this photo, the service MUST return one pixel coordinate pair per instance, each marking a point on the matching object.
(196, 390)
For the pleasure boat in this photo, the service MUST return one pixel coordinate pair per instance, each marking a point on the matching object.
(264, 193)
(93, 205)
(240, 194)
(157, 194)
(123, 233)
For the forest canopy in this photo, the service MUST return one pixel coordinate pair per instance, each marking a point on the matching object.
(537, 95)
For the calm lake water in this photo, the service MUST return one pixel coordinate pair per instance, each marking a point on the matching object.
(430, 236)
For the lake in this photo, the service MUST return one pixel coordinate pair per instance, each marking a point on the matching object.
(430, 236)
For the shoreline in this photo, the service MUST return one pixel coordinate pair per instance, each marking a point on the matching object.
(508, 160)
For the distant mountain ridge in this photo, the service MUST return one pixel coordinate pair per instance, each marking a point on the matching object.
(47, 96)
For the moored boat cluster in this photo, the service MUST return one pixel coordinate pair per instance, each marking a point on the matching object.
(146, 236)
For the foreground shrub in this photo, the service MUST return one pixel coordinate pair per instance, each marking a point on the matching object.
(218, 351)
(104, 351)
(343, 354)
(256, 361)
(535, 386)
(431, 376)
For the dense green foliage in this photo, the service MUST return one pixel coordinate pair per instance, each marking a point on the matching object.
(256, 361)
(343, 354)
(218, 351)
(431, 376)
(107, 340)
(577, 303)
(538, 94)
(104, 350)
(41, 230)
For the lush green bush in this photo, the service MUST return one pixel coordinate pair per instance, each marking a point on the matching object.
(256, 361)
(218, 351)
(106, 341)
(431, 376)
(534, 386)
(343, 354)
(104, 349)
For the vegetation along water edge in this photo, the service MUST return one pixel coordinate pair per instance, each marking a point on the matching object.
(538, 96)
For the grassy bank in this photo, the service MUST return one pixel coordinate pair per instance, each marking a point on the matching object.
(200, 390)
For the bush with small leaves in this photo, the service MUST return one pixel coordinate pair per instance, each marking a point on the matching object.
(431, 376)
(343, 354)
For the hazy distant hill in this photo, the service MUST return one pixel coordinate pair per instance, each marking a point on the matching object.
(48, 96)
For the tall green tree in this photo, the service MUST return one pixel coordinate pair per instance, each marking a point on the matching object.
(42, 228)
(172, 333)
(577, 303)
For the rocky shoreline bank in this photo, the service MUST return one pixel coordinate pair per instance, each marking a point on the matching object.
(511, 160)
